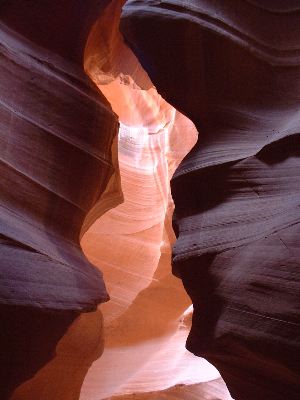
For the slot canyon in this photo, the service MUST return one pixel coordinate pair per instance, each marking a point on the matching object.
(149, 200)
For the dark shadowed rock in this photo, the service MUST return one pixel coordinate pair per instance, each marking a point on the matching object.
(234, 69)
(57, 131)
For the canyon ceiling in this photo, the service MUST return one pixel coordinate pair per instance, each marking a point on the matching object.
(149, 199)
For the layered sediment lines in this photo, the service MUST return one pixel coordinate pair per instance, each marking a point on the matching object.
(215, 389)
(145, 320)
(57, 133)
(234, 70)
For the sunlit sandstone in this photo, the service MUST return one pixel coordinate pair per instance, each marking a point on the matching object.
(131, 243)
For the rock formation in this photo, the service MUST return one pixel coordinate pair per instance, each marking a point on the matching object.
(215, 389)
(233, 69)
(60, 155)
(57, 131)
(229, 69)
(145, 320)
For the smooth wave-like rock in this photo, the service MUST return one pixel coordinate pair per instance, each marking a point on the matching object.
(233, 68)
(56, 159)
(215, 389)
(145, 331)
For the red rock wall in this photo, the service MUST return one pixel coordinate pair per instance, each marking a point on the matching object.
(131, 244)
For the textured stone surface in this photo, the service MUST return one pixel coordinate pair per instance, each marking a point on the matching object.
(233, 68)
(57, 132)
(145, 321)
(215, 389)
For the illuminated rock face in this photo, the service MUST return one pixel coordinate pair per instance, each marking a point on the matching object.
(145, 320)
(234, 70)
(215, 389)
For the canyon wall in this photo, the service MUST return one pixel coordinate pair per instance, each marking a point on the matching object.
(146, 320)
(62, 170)
(233, 68)
(226, 69)
(57, 133)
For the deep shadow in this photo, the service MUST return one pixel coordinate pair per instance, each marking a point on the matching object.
(280, 150)
(201, 284)
(211, 186)
(28, 339)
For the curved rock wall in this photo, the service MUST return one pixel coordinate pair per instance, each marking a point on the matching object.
(233, 68)
(57, 131)
(145, 324)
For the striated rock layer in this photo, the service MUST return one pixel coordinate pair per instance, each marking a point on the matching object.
(145, 320)
(234, 69)
(216, 389)
(57, 132)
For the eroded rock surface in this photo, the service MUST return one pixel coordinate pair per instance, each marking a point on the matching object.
(215, 389)
(57, 131)
(233, 68)
(145, 325)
